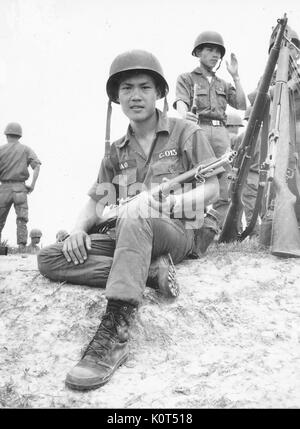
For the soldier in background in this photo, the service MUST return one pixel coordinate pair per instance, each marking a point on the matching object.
(15, 158)
(61, 235)
(233, 124)
(35, 236)
(202, 97)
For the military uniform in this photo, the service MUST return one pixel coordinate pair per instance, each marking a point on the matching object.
(122, 257)
(211, 102)
(14, 161)
(128, 249)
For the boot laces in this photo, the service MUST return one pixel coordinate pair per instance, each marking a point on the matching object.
(105, 336)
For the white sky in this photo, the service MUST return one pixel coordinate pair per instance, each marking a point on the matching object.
(54, 61)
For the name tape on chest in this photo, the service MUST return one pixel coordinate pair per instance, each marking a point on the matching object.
(167, 153)
(128, 163)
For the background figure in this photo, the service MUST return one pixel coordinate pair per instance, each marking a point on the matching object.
(61, 235)
(233, 125)
(35, 236)
(14, 161)
(202, 97)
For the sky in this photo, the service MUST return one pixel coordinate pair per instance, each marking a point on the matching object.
(55, 57)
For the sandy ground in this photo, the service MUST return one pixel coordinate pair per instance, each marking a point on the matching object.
(230, 340)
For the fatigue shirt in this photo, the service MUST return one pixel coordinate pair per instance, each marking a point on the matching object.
(211, 98)
(178, 147)
(14, 161)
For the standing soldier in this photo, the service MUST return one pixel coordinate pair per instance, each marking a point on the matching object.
(202, 97)
(14, 161)
(155, 147)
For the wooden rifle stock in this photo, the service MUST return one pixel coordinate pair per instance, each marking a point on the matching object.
(285, 238)
(230, 227)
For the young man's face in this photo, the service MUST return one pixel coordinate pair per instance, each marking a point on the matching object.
(137, 96)
(35, 240)
(209, 56)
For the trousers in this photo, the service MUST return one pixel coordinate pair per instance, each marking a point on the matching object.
(121, 264)
(219, 140)
(14, 194)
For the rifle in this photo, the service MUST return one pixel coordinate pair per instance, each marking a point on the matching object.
(285, 238)
(199, 174)
(243, 162)
(263, 174)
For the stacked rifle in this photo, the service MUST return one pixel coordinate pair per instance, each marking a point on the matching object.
(279, 186)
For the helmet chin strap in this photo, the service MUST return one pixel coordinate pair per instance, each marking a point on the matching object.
(166, 106)
(107, 128)
(215, 71)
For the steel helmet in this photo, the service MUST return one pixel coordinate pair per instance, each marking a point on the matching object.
(135, 60)
(35, 233)
(247, 113)
(13, 128)
(212, 38)
(61, 235)
(233, 119)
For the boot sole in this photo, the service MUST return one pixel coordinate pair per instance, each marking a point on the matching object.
(76, 386)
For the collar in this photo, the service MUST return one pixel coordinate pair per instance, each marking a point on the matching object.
(163, 126)
(200, 70)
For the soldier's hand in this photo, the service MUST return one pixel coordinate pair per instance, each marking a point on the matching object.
(233, 66)
(190, 116)
(75, 247)
(145, 206)
(29, 188)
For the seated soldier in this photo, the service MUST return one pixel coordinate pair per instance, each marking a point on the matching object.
(155, 147)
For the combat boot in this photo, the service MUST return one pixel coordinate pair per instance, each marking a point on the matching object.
(107, 350)
(205, 235)
(162, 276)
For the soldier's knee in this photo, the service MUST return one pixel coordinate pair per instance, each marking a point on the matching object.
(45, 258)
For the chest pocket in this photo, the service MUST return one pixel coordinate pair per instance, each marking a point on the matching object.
(221, 99)
(202, 98)
(164, 170)
(125, 182)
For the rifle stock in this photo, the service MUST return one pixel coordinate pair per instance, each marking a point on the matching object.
(285, 238)
(230, 227)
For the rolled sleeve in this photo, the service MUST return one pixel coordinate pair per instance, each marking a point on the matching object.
(32, 158)
(105, 175)
(183, 91)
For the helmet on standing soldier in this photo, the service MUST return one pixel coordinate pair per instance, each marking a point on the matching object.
(135, 60)
(13, 128)
(209, 38)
